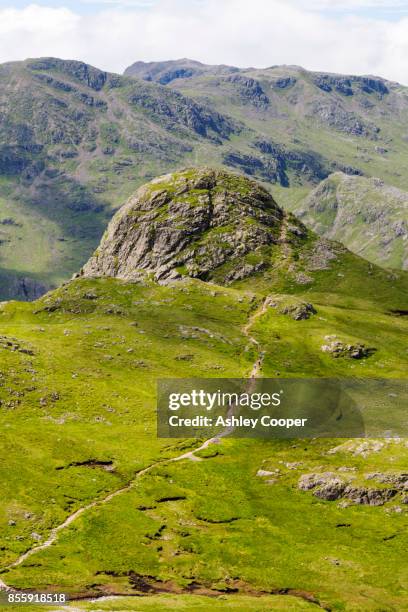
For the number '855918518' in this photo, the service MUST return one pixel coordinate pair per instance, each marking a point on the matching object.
(33, 598)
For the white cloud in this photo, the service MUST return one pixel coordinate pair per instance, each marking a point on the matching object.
(257, 33)
(123, 3)
(350, 4)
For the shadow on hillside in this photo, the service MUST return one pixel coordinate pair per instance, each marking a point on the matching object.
(81, 216)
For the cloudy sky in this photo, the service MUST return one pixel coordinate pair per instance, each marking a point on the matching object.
(350, 36)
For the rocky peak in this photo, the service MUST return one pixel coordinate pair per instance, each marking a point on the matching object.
(171, 70)
(202, 223)
(81, 72)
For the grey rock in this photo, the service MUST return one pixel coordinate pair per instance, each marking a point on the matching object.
(310, 481)
(368, 496)
(298, 310)
(399, 481)
(333, 114)
(332, 489)
(249, 89)
(284, 82)
(326, 485)
(337, 349)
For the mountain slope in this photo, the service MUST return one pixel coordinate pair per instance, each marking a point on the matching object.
(366, 215)
(357, 123)
(79, 373)
(76, 141)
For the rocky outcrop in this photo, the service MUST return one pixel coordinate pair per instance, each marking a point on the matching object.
(348, 86)
(332, 486)
(325, 485)
(276, 162)
(333, 114)
(269, 167)
(336, 348)
(284, 82)
(201, 223)
(250, 90)
(22, 288)
(297, 309)
(306, 164)
(328, 83)
(12, 344)
(369, 496)
(84, 73)
(174, 110)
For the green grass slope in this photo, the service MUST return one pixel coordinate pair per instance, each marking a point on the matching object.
(78, 376)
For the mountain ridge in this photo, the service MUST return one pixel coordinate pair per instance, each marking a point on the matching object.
(150, 70)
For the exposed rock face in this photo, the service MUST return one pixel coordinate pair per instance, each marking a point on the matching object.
(201, 223)
(348, 86)
(327, 83)
(272, 168)
(172, 109)
(250, 90)
(369, 497)
(334, 115)
(22, 288)
(284, 82)
(92, 77)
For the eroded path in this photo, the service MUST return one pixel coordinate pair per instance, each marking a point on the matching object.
(188, 455)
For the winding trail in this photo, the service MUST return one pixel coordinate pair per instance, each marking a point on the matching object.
(188, 455)
(255, 371)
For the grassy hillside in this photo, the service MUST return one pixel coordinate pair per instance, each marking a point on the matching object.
(78, 377)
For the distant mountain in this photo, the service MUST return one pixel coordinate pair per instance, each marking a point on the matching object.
(311, 121)
(165, 72)
(75, 141)
(371, 218)
(309, 124)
